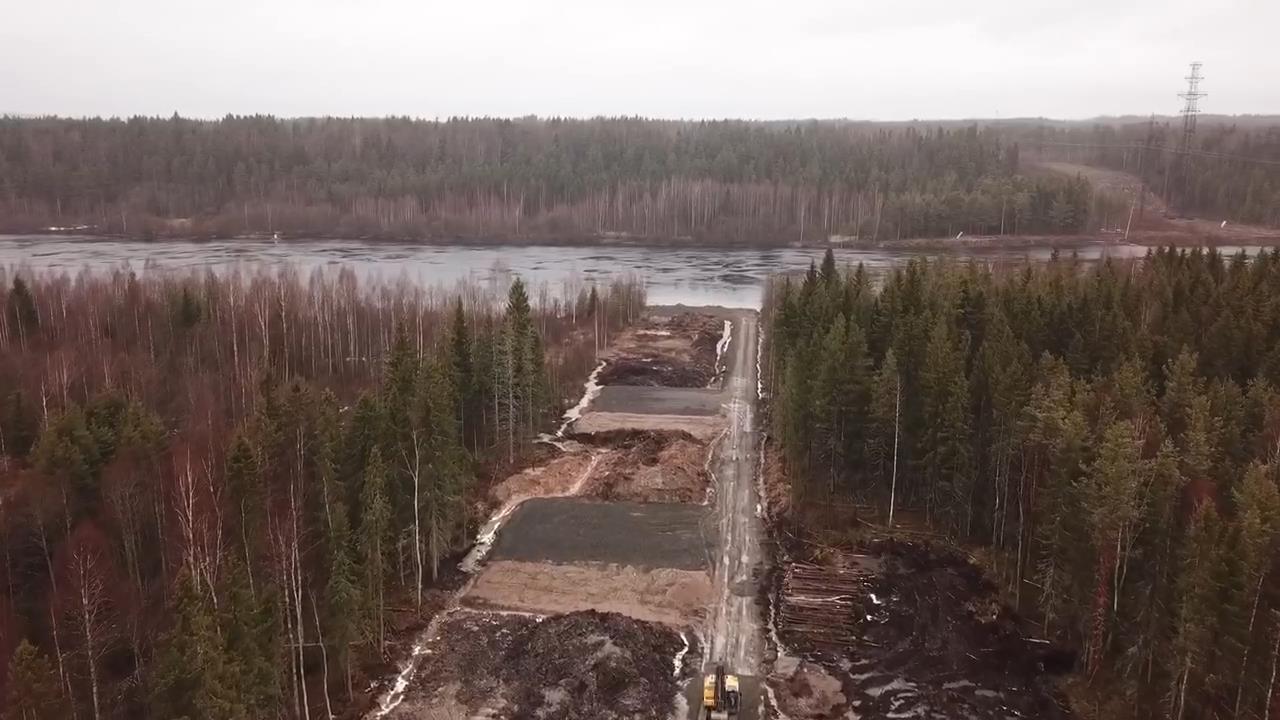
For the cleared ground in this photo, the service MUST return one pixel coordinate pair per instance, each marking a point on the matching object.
(678, 598)
(643, 535)
(907, 630)
(702, 427)
(658, 400)
(671, 349)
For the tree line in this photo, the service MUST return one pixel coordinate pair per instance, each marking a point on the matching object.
(219, 495)
(549, 179)
(1106, 433)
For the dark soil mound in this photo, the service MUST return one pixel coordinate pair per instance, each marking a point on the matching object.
(657, 371)
(580, 665)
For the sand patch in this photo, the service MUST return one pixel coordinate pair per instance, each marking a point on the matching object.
(673, 597)
(557, 477)
(704, 428)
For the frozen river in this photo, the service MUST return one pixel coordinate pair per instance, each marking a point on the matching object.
(693, 276)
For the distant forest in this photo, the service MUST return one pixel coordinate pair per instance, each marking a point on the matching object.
(1105, 437)
(725, 182)
(1234, 173)
(222, 497)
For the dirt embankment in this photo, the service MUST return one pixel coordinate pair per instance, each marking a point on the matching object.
(652, 467)
(904, 629)
(578, 665)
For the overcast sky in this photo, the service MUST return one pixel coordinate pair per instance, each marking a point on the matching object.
(888, 59)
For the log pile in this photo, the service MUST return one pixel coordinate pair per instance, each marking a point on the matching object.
(821, 606)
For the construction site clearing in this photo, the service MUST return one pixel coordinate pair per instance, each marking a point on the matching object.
(586, 589)
(904, 629)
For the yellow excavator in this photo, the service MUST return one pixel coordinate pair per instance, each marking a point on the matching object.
(720, 695)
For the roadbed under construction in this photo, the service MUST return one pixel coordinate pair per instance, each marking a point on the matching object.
(591, 589)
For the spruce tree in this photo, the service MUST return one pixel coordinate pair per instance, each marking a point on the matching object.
(249, 623)
(190, 677)
(1256, 536)
(23, 316)
(19, 426)
(1196, 622)
(34, 691)
(342, 595)
(946, 465)
(463, 373)
(375, 528)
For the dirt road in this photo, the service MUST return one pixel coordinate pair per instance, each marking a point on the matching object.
(733, 633)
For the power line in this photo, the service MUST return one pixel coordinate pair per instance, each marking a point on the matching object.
(1162, 148)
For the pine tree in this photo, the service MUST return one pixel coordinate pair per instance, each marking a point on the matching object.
(34, 691)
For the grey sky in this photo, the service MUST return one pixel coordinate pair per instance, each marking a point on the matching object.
(889, 59)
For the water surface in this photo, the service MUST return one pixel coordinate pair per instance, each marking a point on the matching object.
(694, 276)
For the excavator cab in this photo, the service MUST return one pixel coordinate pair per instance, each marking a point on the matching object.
(720, 695)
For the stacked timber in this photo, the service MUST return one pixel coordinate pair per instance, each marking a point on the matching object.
(821, 605)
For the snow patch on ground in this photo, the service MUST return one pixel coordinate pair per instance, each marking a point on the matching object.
(590, 390)
(721, 347)
(395, 695)
(679, 661)
(759, 367)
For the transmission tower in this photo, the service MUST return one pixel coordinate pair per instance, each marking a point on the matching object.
(1192, 108)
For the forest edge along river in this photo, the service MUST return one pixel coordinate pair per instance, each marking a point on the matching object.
(687, 275)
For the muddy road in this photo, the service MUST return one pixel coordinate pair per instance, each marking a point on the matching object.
(734, 631)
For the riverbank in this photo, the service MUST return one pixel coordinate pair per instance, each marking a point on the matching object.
(1182, 233)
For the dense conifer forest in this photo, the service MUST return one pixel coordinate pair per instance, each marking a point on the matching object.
(531, 179)
(1104, 435)
(220, 496)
